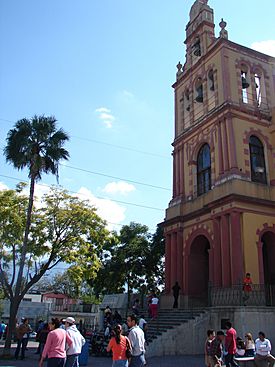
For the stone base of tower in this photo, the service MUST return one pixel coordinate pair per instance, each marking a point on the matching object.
(189, 337)
(219, 237)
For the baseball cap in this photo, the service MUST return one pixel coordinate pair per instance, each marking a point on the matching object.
(70, 320)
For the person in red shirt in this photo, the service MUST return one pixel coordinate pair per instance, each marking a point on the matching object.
(230, 345)
(247, 287)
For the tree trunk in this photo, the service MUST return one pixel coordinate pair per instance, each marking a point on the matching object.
(14, 305)
(25, 241)
(17, 297)
(129, 306)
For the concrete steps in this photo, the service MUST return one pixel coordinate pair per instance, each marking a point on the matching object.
(168, 320)
(177, 332)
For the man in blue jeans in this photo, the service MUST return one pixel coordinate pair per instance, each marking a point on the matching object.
(136, 336)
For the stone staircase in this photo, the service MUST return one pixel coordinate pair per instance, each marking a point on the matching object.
(176, 332)
(167, 320)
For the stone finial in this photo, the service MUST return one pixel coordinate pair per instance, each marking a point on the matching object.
(180, 71)
(196, 7)
(223, 32)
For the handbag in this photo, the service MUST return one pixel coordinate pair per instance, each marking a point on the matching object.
(128, 351)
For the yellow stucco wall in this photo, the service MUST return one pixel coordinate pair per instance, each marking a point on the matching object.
(251, 223)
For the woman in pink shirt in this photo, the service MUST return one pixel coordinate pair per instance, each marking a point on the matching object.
(55, 345)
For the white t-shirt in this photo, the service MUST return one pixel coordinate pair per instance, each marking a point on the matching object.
(155, 301)
(141, 323)
(263, 347)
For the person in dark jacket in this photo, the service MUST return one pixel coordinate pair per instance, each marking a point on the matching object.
(176, 291)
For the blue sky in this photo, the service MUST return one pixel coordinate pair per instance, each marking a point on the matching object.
(105, 68)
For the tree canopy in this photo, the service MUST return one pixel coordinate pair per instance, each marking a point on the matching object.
(64, 228)
(134, 261)
(35, 144)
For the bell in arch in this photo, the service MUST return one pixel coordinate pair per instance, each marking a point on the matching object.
(199, 97)
(245, 83)
(197, 48)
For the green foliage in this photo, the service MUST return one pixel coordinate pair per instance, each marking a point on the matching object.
(37, 145)
(134, 261)
(64, 228)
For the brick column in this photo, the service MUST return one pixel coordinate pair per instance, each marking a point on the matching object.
(180, 258)
(173, 257)
(225, 254)
(232, 145)
(225, 146)
(260, 262)
(220, 151)
(217, 261)
(181, 170)
(236, 248)
(177, 157)
(168, 263)
(174, 175)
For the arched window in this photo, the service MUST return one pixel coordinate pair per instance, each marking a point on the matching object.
(197, 47)
(204, 170)
(211, 82)
(257, 161)
(199, 90)
(246, 91)
(187, 100)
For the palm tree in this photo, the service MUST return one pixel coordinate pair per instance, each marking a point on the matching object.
(35, 144)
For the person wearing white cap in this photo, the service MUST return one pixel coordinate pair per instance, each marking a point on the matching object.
(78, 341)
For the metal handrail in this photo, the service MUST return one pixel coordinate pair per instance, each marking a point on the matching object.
(260, 295)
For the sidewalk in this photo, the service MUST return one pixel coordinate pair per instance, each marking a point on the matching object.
(31, 360)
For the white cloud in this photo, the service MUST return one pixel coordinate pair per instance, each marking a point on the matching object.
(128, 94)
(102, 109)
(39, 192)
(104, 114)
(106, 209)
(3, 186)
(266, 47)
(120, 187)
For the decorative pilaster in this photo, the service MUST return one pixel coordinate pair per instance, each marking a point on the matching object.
(180, 258)
(173, 258)
(168, 263)
(225, 146)
(221, 168)
(225, 254)
(236, 248)
(217, 261)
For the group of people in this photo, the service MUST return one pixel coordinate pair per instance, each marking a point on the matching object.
(59, 343)
(128, 348)
(226, 346)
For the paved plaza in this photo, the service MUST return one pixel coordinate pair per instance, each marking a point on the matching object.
(175, 361)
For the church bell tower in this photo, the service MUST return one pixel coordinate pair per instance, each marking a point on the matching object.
(220, 222)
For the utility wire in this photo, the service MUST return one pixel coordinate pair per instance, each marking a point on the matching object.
(109, 144)
(121, 147)
(115, 177)
(98, 197)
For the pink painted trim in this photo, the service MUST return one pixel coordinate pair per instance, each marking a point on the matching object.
(221, 170)
(167, 263)
(225, 146)
(232, 145)
(180, 258)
